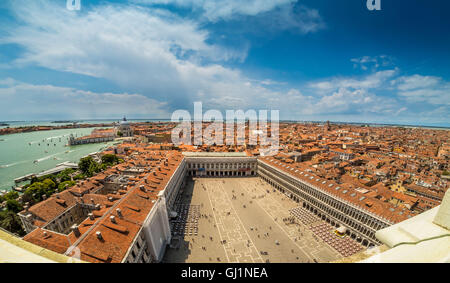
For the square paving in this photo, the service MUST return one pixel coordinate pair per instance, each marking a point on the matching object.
(243, 220)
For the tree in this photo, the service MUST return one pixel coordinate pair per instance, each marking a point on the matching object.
(88, 166)
(11, 222)
(14, 206)
(110, 159)
(119, 134)
(64, 185)
(65, 175)
(35, 192)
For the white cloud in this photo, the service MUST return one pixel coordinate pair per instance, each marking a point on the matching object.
(145, 50)
(373, 63)
(218, 9)
(367, 82)
(418, 88)
(416, 82)
(271, 14)
(47, 101)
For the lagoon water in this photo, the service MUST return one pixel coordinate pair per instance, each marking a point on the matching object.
(18, 152)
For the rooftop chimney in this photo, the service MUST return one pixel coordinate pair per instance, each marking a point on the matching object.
(119, 212)
(91, 216)
(75, 230)
(113, 219)
(99, 235)
(142, 188)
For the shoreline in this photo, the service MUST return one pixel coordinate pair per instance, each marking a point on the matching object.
(21, 164)
(41, 173)
(30, 129)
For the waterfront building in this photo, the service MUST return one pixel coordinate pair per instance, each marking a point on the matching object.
(124, 128)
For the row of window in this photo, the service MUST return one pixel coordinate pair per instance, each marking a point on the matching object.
(233, 165)
(367, 220)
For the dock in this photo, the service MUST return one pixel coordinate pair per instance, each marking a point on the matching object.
(59, 168)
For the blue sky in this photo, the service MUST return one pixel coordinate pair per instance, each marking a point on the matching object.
(310, 59)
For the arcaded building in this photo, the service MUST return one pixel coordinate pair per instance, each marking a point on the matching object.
(123, 214)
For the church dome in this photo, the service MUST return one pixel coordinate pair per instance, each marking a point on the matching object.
(124, 122)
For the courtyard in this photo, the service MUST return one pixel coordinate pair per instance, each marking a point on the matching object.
(241, 220)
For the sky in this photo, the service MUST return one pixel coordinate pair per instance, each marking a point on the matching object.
(313, 60)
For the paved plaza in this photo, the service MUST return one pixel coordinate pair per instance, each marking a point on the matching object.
(243, 220)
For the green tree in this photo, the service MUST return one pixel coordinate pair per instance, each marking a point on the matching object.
(65, 175)
(79, 177)
(110, 159)
(11, 222)
(14, 206)
(37, 190)
(64, 185)
(88, 166)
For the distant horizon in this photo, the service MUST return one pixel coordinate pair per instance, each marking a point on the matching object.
(447, 126)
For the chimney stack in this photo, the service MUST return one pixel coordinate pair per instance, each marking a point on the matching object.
(113, 219)
(99, 235)
(75, 230)
(91, 216)
(119, 212)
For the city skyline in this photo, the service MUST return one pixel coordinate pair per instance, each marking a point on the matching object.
(307, 59)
